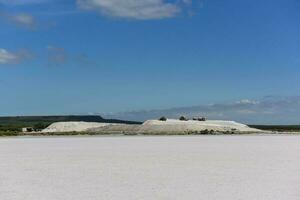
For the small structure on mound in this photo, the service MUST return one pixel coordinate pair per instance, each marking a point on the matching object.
(27, 129)
(201, 119)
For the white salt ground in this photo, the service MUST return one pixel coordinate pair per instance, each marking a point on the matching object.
(150, 168)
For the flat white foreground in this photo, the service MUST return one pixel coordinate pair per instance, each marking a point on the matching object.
(156, 168)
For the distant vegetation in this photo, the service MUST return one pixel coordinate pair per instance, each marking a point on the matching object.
(13, 125)
(163, 119)
(279, 128)
(8, 133)
(183, 118)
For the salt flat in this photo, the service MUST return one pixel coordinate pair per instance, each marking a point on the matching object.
(252, 167)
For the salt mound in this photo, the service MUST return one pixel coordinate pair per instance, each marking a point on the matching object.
(151, 127)
(172, 125)
(73, 126)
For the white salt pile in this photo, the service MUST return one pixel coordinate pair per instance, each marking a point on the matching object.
(151, 127)
(73, 126)
(172, 125)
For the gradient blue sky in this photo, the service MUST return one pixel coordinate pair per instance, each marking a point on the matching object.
(72, 57)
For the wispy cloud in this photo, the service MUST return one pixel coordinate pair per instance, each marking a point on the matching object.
(84, 60)
(28, 20)
(21, 19)
(268, 110)
(129, 9)
(134, 9)
(8, 57)
(56, 55)
(59, 56)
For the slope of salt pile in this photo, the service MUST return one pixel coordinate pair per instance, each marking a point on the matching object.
(73, 126)
(172, 125)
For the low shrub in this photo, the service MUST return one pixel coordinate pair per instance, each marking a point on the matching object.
(163, 119)
(183, 118)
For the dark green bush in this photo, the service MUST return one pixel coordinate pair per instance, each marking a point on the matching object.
(163, 119)
(183, 118)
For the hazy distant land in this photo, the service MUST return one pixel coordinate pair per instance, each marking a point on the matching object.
(12, 126)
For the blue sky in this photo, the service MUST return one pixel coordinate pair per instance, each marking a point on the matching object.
(101, 56)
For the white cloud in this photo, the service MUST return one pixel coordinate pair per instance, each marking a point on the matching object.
(23, 19)
(187, 1)
(247, 101)
(132, 9)
(7, 57)
(20, 19)
(270, 110)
